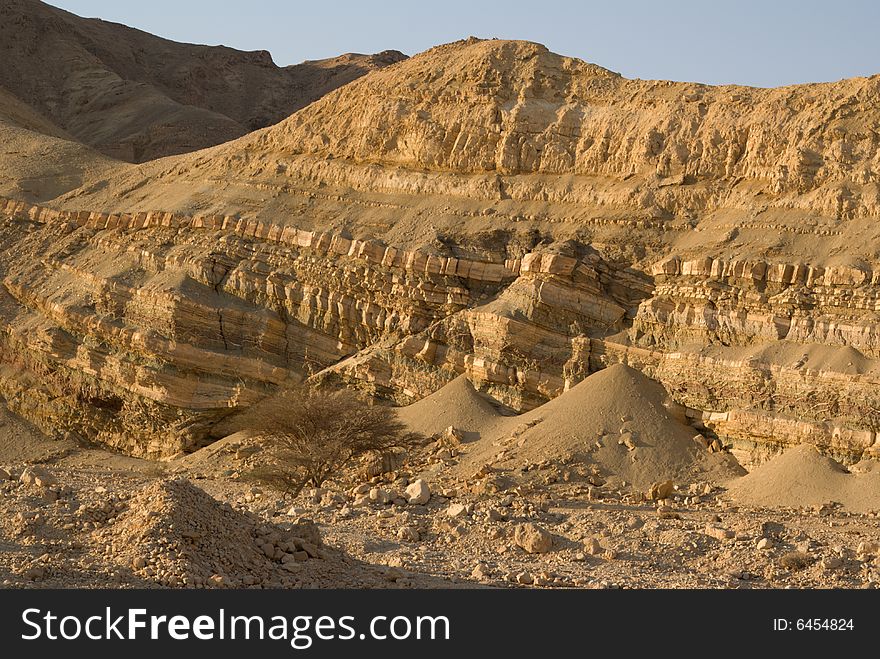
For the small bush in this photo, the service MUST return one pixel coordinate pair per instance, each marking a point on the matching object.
(308, 435)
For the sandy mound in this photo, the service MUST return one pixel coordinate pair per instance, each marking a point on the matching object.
(618, 419)
(177, 534)
(804, 477)
(457, 404)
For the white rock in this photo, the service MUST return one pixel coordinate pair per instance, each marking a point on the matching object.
(456, 510)
(765, 544)
(418, 492)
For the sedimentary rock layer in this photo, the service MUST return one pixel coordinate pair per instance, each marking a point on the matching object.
(144, 330)
(487, 208)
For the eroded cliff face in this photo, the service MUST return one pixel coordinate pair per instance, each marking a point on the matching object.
(144, 331)
(487, 208)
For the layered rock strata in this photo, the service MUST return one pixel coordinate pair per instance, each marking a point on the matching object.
(142, 331)
(487, 208)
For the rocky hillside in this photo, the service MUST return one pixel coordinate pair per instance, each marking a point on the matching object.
(540, 138)
(487, 208)
(136, 97)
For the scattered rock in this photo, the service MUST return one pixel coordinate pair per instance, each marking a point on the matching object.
(418, 493)
(831, 563)
(660, 490)
(456, 510)
(38, 476)
(481, 571)
(408, 534)
(379, 495)
(592, 547)
(719, 533)
(867, 548)
(495, 515)
(532, 538)
(524, 578)
(764, 544)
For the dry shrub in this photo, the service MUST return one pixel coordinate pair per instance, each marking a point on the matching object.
(308, 435)
(795, 560)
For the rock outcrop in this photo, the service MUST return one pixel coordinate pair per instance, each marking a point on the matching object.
(488, 209)
(143, 331)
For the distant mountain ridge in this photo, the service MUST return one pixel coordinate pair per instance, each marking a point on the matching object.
(136, 97)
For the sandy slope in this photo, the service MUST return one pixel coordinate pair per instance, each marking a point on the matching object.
(803, 477)
(616, 419)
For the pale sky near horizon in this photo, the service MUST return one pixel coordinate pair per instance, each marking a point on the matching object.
(762, 43)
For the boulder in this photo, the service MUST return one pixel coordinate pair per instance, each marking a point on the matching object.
(418, 493)
(660, 490)
(532, 538)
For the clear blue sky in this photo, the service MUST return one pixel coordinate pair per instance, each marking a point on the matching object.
(764, 43)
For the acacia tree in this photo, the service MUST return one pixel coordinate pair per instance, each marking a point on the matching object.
(308, 434)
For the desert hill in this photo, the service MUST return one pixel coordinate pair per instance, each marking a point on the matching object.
(135, 96)
(484, 134)
(487, 209)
